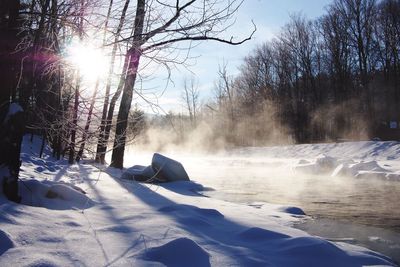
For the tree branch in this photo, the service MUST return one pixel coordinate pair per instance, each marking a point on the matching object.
(200, 38)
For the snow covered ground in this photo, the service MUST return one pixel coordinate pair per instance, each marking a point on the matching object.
(124, 223)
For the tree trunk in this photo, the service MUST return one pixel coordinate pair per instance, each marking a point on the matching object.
(102, 146)
(117, 159)
(102, 142)
(11, 133)
(74, 122)
(87, 125)
(134, 54)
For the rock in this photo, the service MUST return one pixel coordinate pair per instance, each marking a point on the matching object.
(292, 210)
(139, 173)
(167, 169)
(326, 163)
(162, 169)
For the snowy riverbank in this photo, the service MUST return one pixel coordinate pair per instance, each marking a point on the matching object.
(124, 223)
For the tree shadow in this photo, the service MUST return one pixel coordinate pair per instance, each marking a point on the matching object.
(248, 246)
(113, 217)
(208, 225)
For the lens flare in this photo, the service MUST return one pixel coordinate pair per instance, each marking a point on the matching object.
(88, 59)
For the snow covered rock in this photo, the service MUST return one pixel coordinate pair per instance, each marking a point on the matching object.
(57, 196)
(139, 173)
(292, 210)
(361, 170)
(326, 163)
(162, 169)
(168, 169)
(66, 192)
(323, 164)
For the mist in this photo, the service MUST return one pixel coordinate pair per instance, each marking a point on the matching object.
(359, 211)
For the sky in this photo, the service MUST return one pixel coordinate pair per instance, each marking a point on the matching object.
(268, 15)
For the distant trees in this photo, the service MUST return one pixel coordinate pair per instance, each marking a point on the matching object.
(325, 79)
(190, 97)
(322, 79)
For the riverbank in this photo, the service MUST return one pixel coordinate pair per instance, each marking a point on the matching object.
(85, 215)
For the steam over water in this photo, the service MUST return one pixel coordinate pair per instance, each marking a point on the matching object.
(359, 211)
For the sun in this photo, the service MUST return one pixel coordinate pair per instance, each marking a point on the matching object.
(90, 60)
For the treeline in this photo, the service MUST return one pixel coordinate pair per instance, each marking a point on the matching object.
(334, 77)
(330, 79)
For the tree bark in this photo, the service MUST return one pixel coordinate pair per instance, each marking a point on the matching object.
(11, 133)
(102, 147)
(134, 54)
(102, 142)
(87, 125)
(74, 121)
(117, 159)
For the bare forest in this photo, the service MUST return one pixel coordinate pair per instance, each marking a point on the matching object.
(333, 78)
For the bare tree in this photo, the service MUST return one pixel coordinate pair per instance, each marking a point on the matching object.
(108, 112)
(360, 16)
(190, 97)
(193, 20)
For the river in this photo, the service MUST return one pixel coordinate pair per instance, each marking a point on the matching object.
(359, 211)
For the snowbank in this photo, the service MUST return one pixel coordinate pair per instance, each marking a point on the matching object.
(53, 195)
(372, 150)
(341, 167)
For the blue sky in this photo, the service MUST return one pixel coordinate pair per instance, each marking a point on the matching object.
(268, 15)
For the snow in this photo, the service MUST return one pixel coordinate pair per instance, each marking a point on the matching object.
(4, 172)
(5, 242)
(13, 109)
(179, 252)
(389, 150)
(363, 169)
(92, 217)
(169, 169)
(162, 169)
(139, 173)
